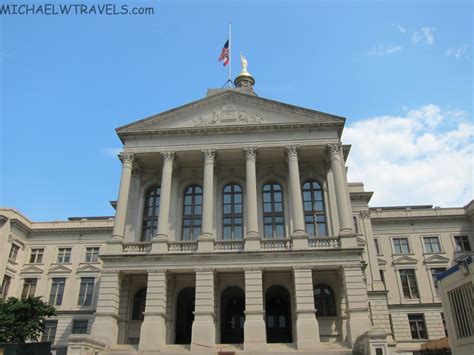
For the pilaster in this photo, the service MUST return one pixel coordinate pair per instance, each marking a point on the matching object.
(204, 325)
(254, 327)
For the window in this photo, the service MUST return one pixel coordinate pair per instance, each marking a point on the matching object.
(29, 288)
(79, 326)
(460, 302)
(409, 285)
(150, 213)
(5, 285)
(273, 217)
(401, 246)
(434, 274)
(13, 252)
(417, 326)
(355, 221)
(192, 213)
(86, 291)
(92, 255)
(324, 301)
(432, 245)
(57, 291)
(377, 246)
(445, 327)
(314, 211)
(232, 215)
(139, 302)
(64, 255)
(36, 256)
(382, 277)
(49, 332)
(462, 243)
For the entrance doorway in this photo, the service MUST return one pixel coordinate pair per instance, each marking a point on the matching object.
(232, 315)
(185, 315)
(278, 315)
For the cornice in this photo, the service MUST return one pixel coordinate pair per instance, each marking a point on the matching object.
(403, 219)
(365, 196)
(71, 230)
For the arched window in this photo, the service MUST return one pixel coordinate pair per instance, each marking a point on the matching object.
(232, 215)
(139, 302)
(324, 301)
(314, 211)
(192, 212)
(273, 218)
(150, 212)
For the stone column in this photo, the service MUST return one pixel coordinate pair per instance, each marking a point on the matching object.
(343, 205)
(373, 274)
(153, 331)
(204, 326)
(356, 302)
(252, 240)
(206, 239)
(105, 326)
(122, 202)
(255, 337)
(307, 327)
(300, 238)
(160, 241)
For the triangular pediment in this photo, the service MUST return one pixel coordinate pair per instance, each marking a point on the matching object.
(31, 269)
(381, 261)
(405, 260)
(436, 259)
(87, 268)
(59, 269)
(230, 108)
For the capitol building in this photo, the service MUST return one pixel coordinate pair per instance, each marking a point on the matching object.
(236, 231)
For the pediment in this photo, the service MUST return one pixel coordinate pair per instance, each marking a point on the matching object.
(31, 269)
(230, 108)
(436, 259)
(405, 260)
(59, 269)
(87, 268)
(381, 261)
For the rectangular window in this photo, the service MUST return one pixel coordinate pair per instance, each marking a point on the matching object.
(57, 291)
(417, 326)
(444, 324)
(356, 224)
(13, 252)
(36, 256)
(79, 326)
(432, 245)
(49, 333)
(5, 285)
(92, 255)
(64, 255)
(434, 274)
(29, 288)
(377, 246)
(460, 301)
(409, 285)
(401, 246)
(86, 291)
(382, 277)
(462, 243)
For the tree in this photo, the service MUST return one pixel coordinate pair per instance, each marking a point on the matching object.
(22, 320)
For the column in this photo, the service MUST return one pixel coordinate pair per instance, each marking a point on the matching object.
(153, 331)
(374, 282)
(160, 241)
(299, 236)
(255, 337)
(356, 302)
(343, 205)
(204, 326)
(206, 239)
(307, 327)
(105, 325)
(121, 209)
(252, 240)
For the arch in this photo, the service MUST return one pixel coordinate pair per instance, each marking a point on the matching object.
(232, 212)
(273, 211)
(278, 320)
(184, 315)
(151, 207)
(192, 212)
(324, 301)
(138, 306)
(232, 315)
(314, 209)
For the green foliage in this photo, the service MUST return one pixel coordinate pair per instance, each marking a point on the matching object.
(22, 320)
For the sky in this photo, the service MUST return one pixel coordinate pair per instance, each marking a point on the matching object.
(400, 71)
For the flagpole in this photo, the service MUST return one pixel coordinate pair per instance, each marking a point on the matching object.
(230, 52)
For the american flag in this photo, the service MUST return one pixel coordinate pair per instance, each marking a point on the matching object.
(224, 54)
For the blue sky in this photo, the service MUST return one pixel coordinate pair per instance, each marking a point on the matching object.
(395, 69)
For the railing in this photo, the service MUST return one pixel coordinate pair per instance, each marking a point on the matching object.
(187, 246)
(324, 243)
(137, 248)
(229, 245)
(276, 244)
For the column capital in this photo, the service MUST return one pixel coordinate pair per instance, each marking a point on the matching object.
(126, 158)
(292, 150)
(365, 214)
(168, 155)
(334, 148)
(250, 153)
(208, 154)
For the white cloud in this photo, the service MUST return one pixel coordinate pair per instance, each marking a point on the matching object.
(422, 157)
(384, 50)
(425, 35)
(401, 28)
(459, 52)
(111, 152)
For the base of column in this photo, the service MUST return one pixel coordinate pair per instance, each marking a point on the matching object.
(105, 329)
(307, 331)
(114, 246)
(300, 240)
(252, 242)
(152, 333)
(159, 244)
(203, 333)
(206, 243)
(255, 335)
(358, 322)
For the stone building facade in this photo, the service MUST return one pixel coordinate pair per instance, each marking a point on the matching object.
(236, 229)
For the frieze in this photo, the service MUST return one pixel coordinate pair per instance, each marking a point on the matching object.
(227, 115)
